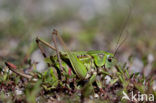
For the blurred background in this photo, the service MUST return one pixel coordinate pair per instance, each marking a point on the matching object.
(84, 25)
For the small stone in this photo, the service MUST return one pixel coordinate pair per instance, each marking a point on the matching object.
(150, 58)
(154, 85)
(96, 95)
(108, 79)
(87, 76)
(18, 92)
(95, 73)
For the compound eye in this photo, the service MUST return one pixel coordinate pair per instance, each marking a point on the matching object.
(110, 59)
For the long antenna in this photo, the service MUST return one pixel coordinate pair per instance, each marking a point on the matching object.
(121, 44)
(122, 30)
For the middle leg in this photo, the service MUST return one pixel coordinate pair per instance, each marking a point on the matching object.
(54, 33)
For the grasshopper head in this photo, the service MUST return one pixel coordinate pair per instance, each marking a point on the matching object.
(110, 61)
(102, 58)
